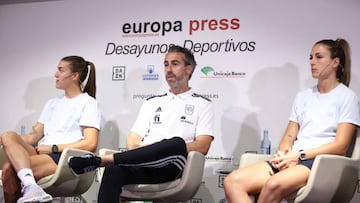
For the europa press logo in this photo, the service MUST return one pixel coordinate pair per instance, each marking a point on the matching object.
(161, 28)
(210, 72)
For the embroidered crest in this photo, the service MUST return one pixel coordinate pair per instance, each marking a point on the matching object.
(189, 109)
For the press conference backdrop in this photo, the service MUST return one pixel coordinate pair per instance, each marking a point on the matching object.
(253, 57)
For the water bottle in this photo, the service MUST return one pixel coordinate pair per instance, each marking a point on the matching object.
(22, 130)
(265, 146)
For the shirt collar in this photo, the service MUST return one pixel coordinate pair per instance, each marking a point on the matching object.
(181, 96)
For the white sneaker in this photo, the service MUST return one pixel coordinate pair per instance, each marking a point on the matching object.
(34, 193)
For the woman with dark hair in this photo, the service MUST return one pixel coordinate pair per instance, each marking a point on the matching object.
(323, 120)
(71, 120)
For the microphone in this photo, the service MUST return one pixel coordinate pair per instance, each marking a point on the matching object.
(68, 75)
(324, 69)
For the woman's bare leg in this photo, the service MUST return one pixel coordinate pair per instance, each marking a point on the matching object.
(283, 184)
(17, 151)
(239, 184)
(15, 148)
(22, 156)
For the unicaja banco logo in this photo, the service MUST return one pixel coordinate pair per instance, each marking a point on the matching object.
(210, 72)
(207, 69)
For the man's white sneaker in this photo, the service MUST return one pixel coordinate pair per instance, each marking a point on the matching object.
(34, 193)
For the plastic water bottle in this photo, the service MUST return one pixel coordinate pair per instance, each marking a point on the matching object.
(22, 130)
(265, 146)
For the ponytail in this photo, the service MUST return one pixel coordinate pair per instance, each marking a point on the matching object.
(86, 70)
(343, 52)
(88, 83)
(340, 48)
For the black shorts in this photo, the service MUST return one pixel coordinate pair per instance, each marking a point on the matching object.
(307, 163)
(55, 157)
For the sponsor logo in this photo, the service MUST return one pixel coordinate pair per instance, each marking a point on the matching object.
(118, 73)
(183, 119)
(151, 75)
(221, 181)
(218, 158)
(207, 69)
(210, 72)
(76, 199)
(189, 109)
(196, 200)
(192, 27)
(158, 109)
(150, 29)
(157, 119)
(156, 29)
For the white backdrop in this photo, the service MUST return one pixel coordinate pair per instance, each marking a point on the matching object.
(259, 57)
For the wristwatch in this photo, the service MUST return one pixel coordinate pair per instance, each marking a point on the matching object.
(55, 149)
(302, 155)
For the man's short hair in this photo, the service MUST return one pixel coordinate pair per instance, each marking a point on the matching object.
(189, 56)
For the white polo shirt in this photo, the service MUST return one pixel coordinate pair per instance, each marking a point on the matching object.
(185, 115)
(318, 115)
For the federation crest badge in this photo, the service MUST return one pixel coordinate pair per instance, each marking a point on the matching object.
(189, 109)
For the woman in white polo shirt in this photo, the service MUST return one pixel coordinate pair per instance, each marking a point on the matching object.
(323, 120)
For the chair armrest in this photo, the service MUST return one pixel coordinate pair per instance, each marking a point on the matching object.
(105, 151)
(63, 165)
(191, 178)
(181, 189)
(251, 158)
(330, 174)
(63, 182)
